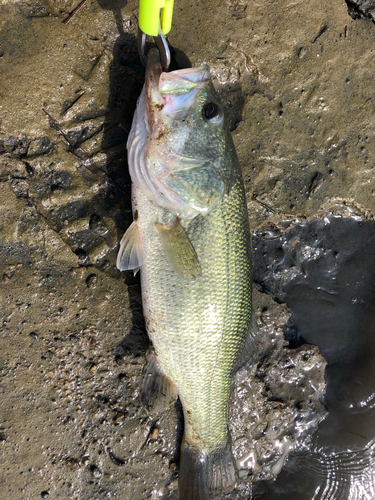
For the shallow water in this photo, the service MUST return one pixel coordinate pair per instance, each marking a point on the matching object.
(332, 298)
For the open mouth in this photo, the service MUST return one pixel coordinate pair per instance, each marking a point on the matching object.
(182, 85)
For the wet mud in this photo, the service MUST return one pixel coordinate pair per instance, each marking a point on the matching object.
(296, 79)
(324, 271)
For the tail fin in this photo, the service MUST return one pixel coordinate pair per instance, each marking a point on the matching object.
(204, 474)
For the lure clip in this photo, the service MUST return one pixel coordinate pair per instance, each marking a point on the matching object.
(153, 13)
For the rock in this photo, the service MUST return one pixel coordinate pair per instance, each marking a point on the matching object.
(98, 225)
(17, 169)
(20, 188)
(16, 145)
(92, 281)
(361, 9)
(95, 471)
(39, 146)
(4, 168)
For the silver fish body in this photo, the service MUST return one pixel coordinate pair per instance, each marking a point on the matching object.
(192, 242)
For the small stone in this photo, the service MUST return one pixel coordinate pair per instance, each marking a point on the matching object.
(39, 146)
(34, 335)
(316, 183)
(92, 341)
(97, 225)
(44, 494)
(20, 188)
(92, 281)
(83, 258)
(10, 142)
(118, 417)
(17, 169)
(95, 471)
(72, 464)
(155, 433)
(119, 359)
(93, 368)
(17, 145)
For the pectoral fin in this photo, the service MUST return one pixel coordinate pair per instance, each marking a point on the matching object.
(179, 249)
(130, 255)
(157, 391)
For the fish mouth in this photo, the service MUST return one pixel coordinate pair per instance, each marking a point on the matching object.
(177, 88)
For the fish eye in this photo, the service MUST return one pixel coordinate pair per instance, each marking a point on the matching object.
(212, 112)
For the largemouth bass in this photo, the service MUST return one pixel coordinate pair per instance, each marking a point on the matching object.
(190, 237)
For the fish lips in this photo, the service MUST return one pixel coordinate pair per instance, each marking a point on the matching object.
(172, 93)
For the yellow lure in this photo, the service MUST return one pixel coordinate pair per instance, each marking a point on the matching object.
(153, 12)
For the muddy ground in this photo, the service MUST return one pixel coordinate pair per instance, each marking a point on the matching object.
(296, 78)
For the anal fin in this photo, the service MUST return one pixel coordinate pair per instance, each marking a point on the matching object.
(250, 348)
(158, 392)
(179, 250)
(130, 255)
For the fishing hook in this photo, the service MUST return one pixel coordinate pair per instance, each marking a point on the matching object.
(162, 45)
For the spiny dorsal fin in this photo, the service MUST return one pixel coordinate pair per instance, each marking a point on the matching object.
(179, 249)
(130, 255)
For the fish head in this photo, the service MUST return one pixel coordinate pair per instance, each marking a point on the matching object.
(186, 167)
(184, 107)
